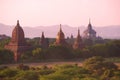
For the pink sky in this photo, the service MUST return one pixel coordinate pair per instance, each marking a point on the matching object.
(51, 12)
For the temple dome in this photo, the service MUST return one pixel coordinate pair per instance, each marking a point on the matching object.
(89, 32)
(18, 44)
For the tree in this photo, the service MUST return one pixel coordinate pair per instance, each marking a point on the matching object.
(23, 67)
(28, 75)
(36, 52)
(58, 52)
(113, 48)
(8, 73)
(6, 56)
(98, 65)
(99, 50)
(4, 42)
(56, 77)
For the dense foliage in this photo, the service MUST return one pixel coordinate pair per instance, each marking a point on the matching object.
(4, 42)
(6, 56)
(95, 68)
(106, 48)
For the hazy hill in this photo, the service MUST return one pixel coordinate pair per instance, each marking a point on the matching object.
(112, 32)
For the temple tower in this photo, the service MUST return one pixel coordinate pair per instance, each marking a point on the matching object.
(60, 39)
(18, 35)
(78, 44)
(44, 43)
(17, 43)
(89, 33)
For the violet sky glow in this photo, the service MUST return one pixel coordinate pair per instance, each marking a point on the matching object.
(51, 12)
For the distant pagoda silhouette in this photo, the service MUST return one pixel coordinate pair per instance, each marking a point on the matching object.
(44, 43)
(89, 33)
(17, 43)
(78, 44)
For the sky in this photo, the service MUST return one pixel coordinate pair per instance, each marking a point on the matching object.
(68, 12)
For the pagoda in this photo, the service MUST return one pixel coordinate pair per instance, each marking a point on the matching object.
(60, 39)
(78, 44)
(44, 43)
(89, 33)
(17, 43)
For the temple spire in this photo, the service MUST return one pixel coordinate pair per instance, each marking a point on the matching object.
(18, 23)
(89, 25)
(60, 28)
(60, 39)
(71, 36)
(89, 21)
(44, 43)
(78, 31)
(78, 41)
(42, 34)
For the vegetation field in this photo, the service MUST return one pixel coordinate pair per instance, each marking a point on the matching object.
(94, 68)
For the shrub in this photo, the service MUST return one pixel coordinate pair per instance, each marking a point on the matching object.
(28, 75)
(46, 72)
(8, 72)
(23, 67)
(98, 65)
(55, 77)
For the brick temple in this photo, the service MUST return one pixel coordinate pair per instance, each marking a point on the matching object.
(17, 43)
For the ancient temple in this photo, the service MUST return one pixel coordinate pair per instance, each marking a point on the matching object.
(60, 39)
(89, 33)
(44, 43)
(78, 44)
(17, 43)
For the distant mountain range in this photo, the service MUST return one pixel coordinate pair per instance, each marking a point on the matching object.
(109, 32)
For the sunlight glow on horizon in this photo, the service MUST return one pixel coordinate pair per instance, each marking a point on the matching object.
(51, 12)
